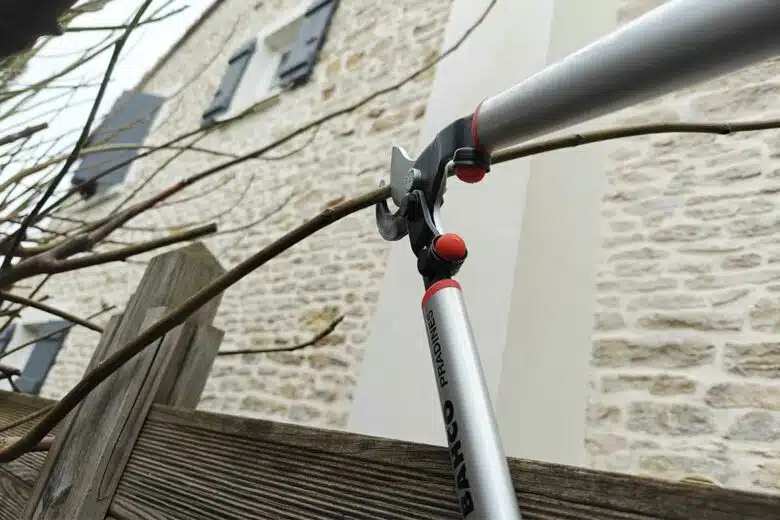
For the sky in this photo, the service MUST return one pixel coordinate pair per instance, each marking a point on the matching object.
(144, 48)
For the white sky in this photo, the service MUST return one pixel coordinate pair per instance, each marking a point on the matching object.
(145, 46)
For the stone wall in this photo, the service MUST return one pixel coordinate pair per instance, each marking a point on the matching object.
(370, 45)
(687, 328)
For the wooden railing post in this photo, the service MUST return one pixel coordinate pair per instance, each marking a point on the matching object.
(92, 447)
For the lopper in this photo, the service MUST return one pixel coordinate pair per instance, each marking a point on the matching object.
(681, 43)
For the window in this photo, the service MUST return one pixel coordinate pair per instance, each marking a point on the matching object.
(282, 56)
(125, 127)
(42, 355)
(6, 336)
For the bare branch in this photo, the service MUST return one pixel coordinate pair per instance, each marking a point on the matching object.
(43, 445)
(262, 218)
(336, 113)
(125, 26)
(30, 217)
(16, 312)
(26, 418)
(14, 387)
(51, 334)
(27, 302)
(569, 141)
(7, 372)
(316, 339)
(22, 134)
(122, 254)
(180, 314)
(297, 150)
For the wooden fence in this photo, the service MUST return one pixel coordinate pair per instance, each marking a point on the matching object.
(135, 449)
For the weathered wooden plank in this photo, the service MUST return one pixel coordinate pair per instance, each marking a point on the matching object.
(83, 468)
(14, 493)
(59, 486)
(15, 405)
(46, 461)
(195, 369)
(203, 466)
(18, 477)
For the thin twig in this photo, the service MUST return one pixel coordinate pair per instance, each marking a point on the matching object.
(7, 372)
(180, 314)
(569, 141)
(26, 418)
(14, 386)
(51, 334)
(297, 150)
(316, 339)
(27, 302)
(22, 134)
(123, 27)
(44, 445)
(330, 215)
(124, 253)
(342, 111)
(30, 218)
(15, 314)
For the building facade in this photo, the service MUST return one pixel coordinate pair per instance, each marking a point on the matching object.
(624, 295)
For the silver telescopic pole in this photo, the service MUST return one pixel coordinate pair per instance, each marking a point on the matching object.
(681, 43)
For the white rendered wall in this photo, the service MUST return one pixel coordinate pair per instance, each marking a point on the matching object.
(512, 239)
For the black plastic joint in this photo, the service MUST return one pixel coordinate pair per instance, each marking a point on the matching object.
(468, 156)
(434, 268)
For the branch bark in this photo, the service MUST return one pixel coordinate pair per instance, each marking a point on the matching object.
(23, 134)
(27, 302)
(179, 315)
(30, 218)
(123, 27)
(50, 334)
(572, 140)
(316, 339)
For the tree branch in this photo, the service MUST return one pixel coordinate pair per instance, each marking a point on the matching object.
(30, 217)
(180, 314)
(21, 300)
(7, 372)
(23, 134)
(124, 253)
(51, 334)
(13, 384)
(26, 418)
(569, 141)
(316, 339)
(125, 26)
(43, 445)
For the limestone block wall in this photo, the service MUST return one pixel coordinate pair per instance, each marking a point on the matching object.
(370, 45)
(686, 354)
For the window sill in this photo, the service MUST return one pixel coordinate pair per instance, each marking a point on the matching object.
(264, 103)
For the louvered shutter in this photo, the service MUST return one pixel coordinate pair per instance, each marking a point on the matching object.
(128, 123)
(42, 357)
(298, 61)
(6, 336)
(237, 65)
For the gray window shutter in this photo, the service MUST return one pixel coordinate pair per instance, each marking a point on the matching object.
(6, 336)
(128, 122)
(237, 65)
(298, 61)
(42, 356)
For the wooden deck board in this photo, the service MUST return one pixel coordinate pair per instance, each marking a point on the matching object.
(195, 465)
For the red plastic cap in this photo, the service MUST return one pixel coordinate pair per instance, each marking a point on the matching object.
(471, 174)
(450, 247)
